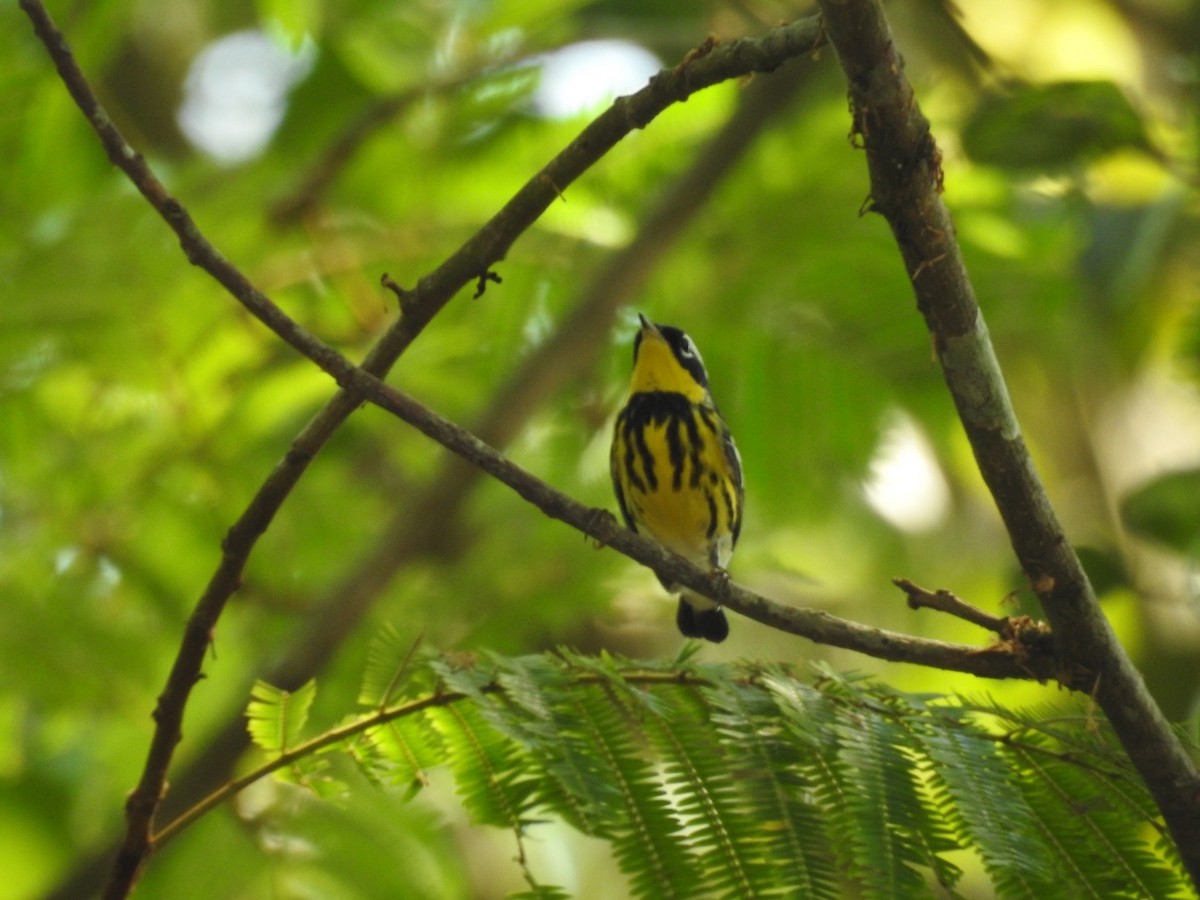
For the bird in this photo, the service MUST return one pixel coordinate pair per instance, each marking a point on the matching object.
(675, 469)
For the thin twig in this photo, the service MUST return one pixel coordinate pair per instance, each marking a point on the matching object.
(342, 733)
(945, 601)
(904, 164)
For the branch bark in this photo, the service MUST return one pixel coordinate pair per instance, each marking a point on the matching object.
(906, 184)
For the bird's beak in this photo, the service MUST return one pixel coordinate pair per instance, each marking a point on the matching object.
(647, 325)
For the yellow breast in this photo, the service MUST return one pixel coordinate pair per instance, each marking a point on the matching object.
(674, 477)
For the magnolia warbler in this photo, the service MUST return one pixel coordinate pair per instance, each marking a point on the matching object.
(675, 469)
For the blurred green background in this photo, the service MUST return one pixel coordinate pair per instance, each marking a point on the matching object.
(140, 407)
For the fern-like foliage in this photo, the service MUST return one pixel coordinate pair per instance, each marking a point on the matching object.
(276, 718)
(753, 781)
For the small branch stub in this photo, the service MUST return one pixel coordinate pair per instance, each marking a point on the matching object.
(482, 283)
(404, 297)
(947, 602)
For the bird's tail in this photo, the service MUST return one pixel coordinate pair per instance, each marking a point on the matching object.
(700, 617)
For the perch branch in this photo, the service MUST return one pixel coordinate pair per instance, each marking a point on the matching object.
(993, 662)
(906, 183)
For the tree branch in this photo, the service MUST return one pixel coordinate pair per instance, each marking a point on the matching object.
(906, 182)
(1031, 661)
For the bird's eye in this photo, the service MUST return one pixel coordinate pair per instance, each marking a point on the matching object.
(687, 348)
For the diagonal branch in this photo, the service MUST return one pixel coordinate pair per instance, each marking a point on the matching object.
(906, 182)
(992, 662)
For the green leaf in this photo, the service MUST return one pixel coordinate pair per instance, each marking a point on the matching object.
(703, 776)
(647, 836)
(578, 784)
(389, 663)
(769, 770)
(277, 717)
(1052, 126)
(970, 782)
(401, 751)
(734, 780)
(883, 807)
(488, 769)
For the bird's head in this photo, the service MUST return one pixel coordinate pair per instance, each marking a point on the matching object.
(666, 359)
